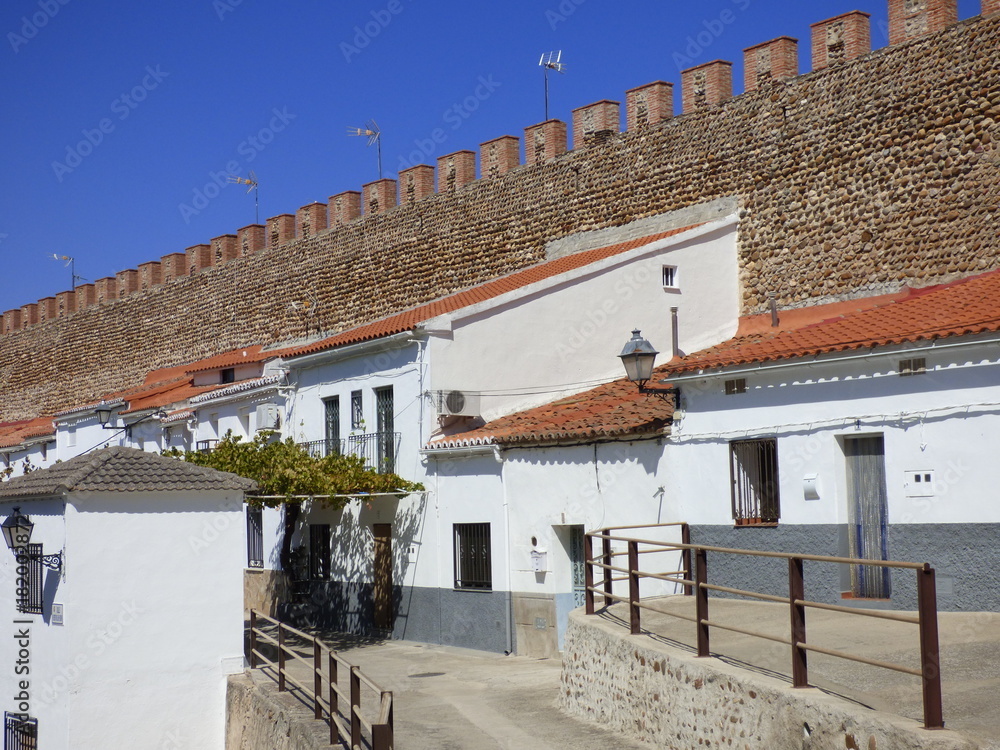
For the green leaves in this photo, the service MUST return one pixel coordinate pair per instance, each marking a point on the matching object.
(285, 468)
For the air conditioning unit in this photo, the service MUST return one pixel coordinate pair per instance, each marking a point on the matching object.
(458, 404)
(268, 417)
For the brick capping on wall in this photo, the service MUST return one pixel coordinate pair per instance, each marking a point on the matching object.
(456, 170)
(310, 220)
(990, 6)
(128, 281)
(909, 19)
(841, 39)
(65, 303)
(379, 196)
(650, 104)
(416, 183)
(674, 161)
(595, 122)
(776, 60)
(706, 85)
(151, 273)
(280, 229)
(501, 155)
(199, 257)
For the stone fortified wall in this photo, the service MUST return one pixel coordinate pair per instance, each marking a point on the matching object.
(872, 171)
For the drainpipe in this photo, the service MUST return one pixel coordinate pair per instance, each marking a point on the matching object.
(675, 332)
(509, 605)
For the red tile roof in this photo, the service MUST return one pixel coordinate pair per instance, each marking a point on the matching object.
(408, 319)
(15, 433)
(613, 410)
(968, 306)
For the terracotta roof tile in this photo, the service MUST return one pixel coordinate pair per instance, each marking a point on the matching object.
(15, 433)
(119, 469)
(962, 307)
(408, 319)
(613, 410)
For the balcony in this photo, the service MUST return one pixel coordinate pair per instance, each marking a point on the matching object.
(377, 449)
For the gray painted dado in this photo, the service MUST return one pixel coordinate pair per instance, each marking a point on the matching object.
(966, 558)
(468, 619)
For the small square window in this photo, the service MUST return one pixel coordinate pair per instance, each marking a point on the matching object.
(670, 277)
(228, 375)
(917, 366)
(734, 387)
(473, 569)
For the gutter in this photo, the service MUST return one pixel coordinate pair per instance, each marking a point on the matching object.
(351, 350)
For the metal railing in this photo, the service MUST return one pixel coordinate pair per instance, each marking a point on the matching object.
(377, 449)
(694, 579)
(326, 694)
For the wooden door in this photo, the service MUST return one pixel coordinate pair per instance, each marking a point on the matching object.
(383, 576)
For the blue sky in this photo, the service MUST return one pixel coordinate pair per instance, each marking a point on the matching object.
(120, 121)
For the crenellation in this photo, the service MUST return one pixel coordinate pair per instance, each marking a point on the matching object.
(990, 6)
(909, 19)
(65, 303)
(456, 170)
(106, 289)
(706, 85)
(280, 229)
(344, 207)
(544, 141)
(128, 282)
(841, 39)
(224, 249)
(311, 219)
(173, 266)
(251, 239)
(47, 309)
(150, 274)
(416, 183)
(595, 122)
(649, 104)
(380, 196)
(199, 257)
(770, 62)
(29, 314)
(86, 295)
(499, 156)
(12, 321)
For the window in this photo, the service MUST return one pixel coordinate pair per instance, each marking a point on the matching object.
(255, 537)
(319, 551)
(754, 472)
(28, 584)
(670, 277)
(357, 411)
(228, 375)
(71, 437)
(385, 425)
(331, 407)
(917, 366)
(20, 732)
(734, 387)
(472, 557)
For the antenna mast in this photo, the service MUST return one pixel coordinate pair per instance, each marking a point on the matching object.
(374, 136)
(71, 262)
(552, 62)
(252, 182)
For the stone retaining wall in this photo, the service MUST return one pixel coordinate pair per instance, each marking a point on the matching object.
(258, 717)
(678, 702)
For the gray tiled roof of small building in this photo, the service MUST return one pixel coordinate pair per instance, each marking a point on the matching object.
(119, 469)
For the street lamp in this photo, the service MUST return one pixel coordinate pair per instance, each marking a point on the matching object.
(17, 534)
(104, 412)
(639, 356)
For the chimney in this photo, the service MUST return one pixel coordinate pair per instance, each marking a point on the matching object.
(280, 229)
(150, 274)
(595, 123)
(311, 219)
(706, 85)
(770, 62)
(172, 266)
(416, 183)
(250, 239)
(224, 249)
(649, 104)
(990, 6)
(455, 170)
(499, 156)
(128, 281)
(12, 321)
(46, 309)
(344, 207)
(544, 141)
(840, 39)
(86, 295)
(199, 257)
(107, 289)
(909, 19)
(65, 303)
(380, 196)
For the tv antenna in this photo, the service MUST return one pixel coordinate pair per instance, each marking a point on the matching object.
(551, 62)
(71, 264)
(250, 180)
(374, 136)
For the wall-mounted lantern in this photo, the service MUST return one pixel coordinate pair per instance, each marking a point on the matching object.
(17, 530)
(639, 357)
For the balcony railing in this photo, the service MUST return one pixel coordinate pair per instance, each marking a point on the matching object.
(377, 449)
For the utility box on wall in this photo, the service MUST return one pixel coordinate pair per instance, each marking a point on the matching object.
(539, 560)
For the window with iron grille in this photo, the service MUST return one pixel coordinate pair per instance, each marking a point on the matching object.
(916, 366)
(28, 585)
(736, 386)
(319, 551)
(385, 425)
(20, 732)
(255, 537)
(357, 411)
(473, 569)
(331, 409)
(754, 471)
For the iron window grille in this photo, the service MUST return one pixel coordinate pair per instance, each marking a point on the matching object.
(331, 409)
(473, 569)
(20, 732)
(319, 551)
(29, 580)
(385, 424)
(736, 386)
(255, 538)
(915, 366)
(357, 411)
(753, 468)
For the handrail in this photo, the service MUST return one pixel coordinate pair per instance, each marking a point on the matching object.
(347, 729)
(695, 582)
